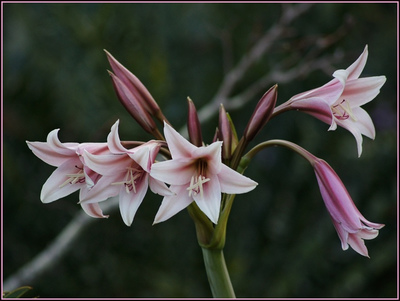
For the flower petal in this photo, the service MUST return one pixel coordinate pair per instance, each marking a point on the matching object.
(343, 234)
(178, 146)
(317, 107)
(66, 149)
(212, 154)
(357, 67)
(361, 91)
(357, 244)
(336, 197)
(145, 154)
(107, 164)
(233, 182)
(113, 141)
(44, 152)
(210, 200)
(353, 128)
(54, 188)
(330, 92)
(171, 205)
(130, 202)
(363, 123)
(93, 210)
(159, 187)
(174, 172)
(103, 189)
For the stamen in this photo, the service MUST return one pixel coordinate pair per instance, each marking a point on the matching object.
(343, 111)
(130, 180)
(196, 185)
(74, 178)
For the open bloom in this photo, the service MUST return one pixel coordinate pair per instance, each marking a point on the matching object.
(339, 101)
(71, 174)
(124, 173)
(351, 226)
(196, 174)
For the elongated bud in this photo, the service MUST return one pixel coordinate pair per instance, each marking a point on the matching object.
(193, 125)
(133, 105)
(262, 113)
(225, 133)
(136, 87)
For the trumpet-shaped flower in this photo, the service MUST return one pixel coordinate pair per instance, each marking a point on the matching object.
(71, 174)
(124, 173)
(339, 101)
(351, 226)
(196, 174)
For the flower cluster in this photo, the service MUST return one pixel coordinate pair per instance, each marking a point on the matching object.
(205, 178)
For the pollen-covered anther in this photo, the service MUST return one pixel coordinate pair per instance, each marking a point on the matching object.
(343, 111)
(74, 178)
(196, 185)
(130, 180)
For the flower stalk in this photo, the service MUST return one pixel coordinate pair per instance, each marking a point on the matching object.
(217, 273)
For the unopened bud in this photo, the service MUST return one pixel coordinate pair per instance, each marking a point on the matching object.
(262, 113)
(136, 87)
(132, 104)
(193, 125)
(225, 133)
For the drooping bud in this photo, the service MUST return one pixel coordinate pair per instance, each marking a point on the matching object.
(193, 125)
(225, 133)
(136, 87)
(133, 105)
(262, 113)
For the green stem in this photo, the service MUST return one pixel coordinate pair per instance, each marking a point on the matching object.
(217, 273)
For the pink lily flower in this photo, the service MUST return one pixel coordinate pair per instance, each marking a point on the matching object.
(196, 174)
(351, 226)
(71, 174)
(124, 173)
(339, 101)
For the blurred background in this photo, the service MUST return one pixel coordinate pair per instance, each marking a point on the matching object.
(280, 240)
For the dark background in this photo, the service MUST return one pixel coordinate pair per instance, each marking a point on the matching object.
(280, 240)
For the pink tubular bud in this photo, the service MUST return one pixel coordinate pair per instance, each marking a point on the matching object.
(225, 133)
(262, 113)
(132, 104)
(136, 87)
(193, 125)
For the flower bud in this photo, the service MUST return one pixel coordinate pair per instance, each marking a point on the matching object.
(225, 133)
(136, 87)
(193, 125)
(132, 104)
(262, 113)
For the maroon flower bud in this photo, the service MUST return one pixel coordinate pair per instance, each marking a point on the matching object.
(136, 87)
(225, 133)
(193, 125)
(132, 104)
(262, 113)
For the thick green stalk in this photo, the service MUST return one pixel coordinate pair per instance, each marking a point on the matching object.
(217, 273)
